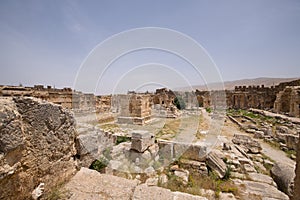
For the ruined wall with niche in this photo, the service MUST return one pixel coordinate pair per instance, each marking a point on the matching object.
(288, 101)
(164, 97)
(252, 97)
(276, 98)
(163, 103)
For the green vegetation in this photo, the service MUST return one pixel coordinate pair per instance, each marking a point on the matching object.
(106, 153)
(57, 193)
(121, 139)
(174, 126)
(254, 116)
(179, 102)
(227, 173)
(208, 109)
(290, 153)
(170, 128)
(196, 181)
(99, 165)
(110, 127)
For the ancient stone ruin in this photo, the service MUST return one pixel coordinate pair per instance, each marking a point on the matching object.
(139, 148)
(37, 145)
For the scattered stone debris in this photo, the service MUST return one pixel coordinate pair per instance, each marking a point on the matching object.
(216, 164)
(248, 143)
(38, 191)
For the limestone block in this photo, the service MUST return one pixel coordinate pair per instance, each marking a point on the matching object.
(141, 140)
(36, 145)
(216, 164)
(284, 175)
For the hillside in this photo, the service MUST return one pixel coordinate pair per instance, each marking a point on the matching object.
(229, 85)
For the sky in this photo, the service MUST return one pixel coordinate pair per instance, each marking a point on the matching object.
(48, 42)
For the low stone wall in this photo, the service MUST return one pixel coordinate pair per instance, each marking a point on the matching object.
(172, 150)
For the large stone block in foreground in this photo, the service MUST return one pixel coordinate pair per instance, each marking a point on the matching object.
(141, 140)
(90, 184)
(36, 146)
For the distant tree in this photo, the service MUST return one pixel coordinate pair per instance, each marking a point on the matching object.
(179, 102)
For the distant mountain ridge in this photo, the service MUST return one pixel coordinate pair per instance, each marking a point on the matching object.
(229, 85)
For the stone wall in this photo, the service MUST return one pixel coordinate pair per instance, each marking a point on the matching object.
(37, 145)
(280, 98)
(66, 97)
(134, 108)
(288, 101)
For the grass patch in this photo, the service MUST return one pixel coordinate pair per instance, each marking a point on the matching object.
(99, 165)
(290, 153)
(57, 193)
(255, 116)
(208, 109)
(171, 127)
(121, 139)
(110, 127)
(197, 181)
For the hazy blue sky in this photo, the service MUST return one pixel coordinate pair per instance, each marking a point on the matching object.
(44, 42)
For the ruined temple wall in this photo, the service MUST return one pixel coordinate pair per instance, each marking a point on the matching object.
(288, 101)
(295, 102)
(164, 97)
(65, 97)
(241, 98)
(139, 106)
(134, 108)
(103, 103)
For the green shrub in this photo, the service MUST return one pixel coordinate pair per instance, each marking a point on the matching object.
(121, 139)
(208, 109)
(179, 102)
(227, 173)
(99, 165)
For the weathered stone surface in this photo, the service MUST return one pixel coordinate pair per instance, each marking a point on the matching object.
(183, 174)
(247, 142)
(259, 134)
(141, 140)
(284, 175)
(227, 196)
(36, 145)
(196, 166)
(153, 193)
(248, 168)
(90, 184)
(261, 178)
(134, 108)
(91, 144)
(216, 164)
(190, 151)
(263, 190)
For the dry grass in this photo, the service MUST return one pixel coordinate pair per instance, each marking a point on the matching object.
(110, 127)
(172, 127)
(198, 181)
